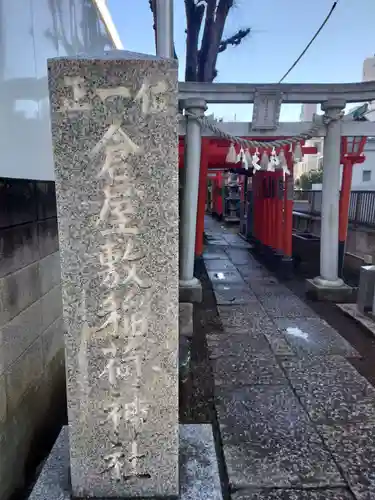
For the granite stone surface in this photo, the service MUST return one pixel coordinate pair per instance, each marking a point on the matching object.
(199, 473)
(331, 390)
(314, 336)
(278, 343)
(248, 317)
(268, 440)
(214, 253)
(185, 319)
(251, 370)
(240, 346)
(269, 286)
(114, 128)
(232, 294)
(251, 270)
(219, 265)
(225, 276)
(353, 447)
(285, 305)
(234, 240)
(240, 257)
(293, 494)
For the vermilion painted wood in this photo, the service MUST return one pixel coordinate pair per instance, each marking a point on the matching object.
(213, 156)
(288, 209)
(201, 200)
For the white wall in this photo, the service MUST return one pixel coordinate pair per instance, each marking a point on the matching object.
(30, 32)
(358, 184)
(309, 161)
(368, 74)
(307, 112)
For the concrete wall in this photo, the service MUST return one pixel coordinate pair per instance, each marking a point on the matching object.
(358, 184)
(31, 327)
(360, 240)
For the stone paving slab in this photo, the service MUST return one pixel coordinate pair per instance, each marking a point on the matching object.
(211, 252)
(232, 294)
(218, 242)
(353, 447)
(294, 462)
(226, 276)
(285, 306)
(314, 336)
(240, 256)
(298, 425)
(216, 235)
(260, 369)
(269, 286)
(279, 344)
(252, 271)
(248, 317)
(331, 390)
(220, 265)
(238, 346)
(236, 241)
(261, 412)
(293, 494)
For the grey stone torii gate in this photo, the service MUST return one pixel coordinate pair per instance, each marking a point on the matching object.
(267, 101)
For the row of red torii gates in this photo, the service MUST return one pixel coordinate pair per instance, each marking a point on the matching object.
(273, 221)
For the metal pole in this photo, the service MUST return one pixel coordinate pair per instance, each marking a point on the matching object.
(164, 28)
(330, 197)
(189, 202)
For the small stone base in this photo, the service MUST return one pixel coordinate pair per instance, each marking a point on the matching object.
(199, 473)
(351, 310)
(342, 293)
(185, 319)
(285, 268)
(190, 291)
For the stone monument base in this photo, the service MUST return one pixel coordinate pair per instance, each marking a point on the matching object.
(186, 319)
(190, 291)
(317, 291)
(199, 473)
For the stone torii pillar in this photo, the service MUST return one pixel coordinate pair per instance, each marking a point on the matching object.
(190, 287)
(328, 286)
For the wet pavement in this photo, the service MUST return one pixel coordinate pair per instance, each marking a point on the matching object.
(296, 420)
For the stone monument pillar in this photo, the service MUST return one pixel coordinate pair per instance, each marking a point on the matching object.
(114, 127)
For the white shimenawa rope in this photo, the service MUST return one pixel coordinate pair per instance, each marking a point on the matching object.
(309, 134)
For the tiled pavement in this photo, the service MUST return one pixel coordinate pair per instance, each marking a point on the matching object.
(297, 421)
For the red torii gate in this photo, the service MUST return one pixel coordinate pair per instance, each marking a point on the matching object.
(213, 157)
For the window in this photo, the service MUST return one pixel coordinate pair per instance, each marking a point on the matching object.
(366, 175)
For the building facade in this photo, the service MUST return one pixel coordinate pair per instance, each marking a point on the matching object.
(32, 374)
(31, 31)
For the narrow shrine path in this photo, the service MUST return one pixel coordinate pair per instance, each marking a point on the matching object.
(296, 419)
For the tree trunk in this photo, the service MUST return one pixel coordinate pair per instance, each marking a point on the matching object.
(194, 17)
(214, 27)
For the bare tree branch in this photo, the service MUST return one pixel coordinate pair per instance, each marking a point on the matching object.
(210, 46)
(212, 14)
(234, 40)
